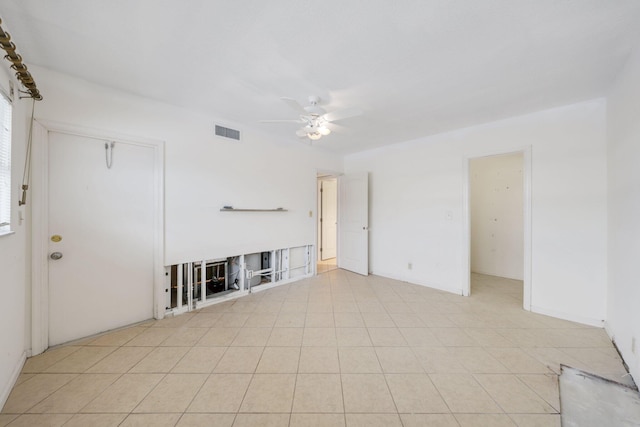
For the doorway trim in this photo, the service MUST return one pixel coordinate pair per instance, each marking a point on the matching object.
(319, 175)
(466, 221)
(326, 203)
(40, 222)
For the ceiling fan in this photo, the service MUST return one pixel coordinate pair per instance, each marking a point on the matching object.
(315, 119)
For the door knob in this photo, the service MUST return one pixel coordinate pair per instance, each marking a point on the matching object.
(55, 255)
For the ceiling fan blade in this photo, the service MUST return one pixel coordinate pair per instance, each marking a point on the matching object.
(294, 104)
(281, 121)
(342, 114)
(302, 132)
(337, 128)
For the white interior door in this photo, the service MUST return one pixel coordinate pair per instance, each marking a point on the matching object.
(353, 206)
(329, 218)
(104, 221)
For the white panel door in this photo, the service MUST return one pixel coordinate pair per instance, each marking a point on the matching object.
(329, 218)
(105, 220)
(353, 206)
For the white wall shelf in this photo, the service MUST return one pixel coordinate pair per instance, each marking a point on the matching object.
(232, 209)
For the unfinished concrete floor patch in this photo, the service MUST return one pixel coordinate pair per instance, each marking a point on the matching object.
(589, 400)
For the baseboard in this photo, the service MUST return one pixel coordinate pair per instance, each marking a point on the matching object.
(494, 274)
(254, 289)
(568, 316)
(265, 286)
(12, 380)
(609, 331)
(426, 284)
(631, 360)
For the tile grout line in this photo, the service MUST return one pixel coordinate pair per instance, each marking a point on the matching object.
(369, 292)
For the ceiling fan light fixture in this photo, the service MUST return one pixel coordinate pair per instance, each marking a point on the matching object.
(314, 110)
(314, 118)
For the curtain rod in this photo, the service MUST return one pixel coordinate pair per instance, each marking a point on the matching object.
(21, 69)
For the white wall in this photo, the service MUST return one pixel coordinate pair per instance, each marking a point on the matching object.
(623, 125)
(496, 215)
(14, 256)
(204, 172)
(415, 187)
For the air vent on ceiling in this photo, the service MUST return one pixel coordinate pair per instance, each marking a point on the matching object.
(227, 132)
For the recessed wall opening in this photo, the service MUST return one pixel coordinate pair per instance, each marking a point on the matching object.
(496, 219)
(197, 284)
(327, 222)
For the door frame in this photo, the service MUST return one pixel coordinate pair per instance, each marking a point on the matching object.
(319, 175)
(466, 220)
(40, 222)
(321, 223)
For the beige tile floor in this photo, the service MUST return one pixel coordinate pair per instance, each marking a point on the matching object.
(327, 265)
(335, 350)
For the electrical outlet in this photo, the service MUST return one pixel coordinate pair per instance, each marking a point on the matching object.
(409, 266)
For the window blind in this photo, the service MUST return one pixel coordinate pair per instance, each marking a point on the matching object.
(5, 163)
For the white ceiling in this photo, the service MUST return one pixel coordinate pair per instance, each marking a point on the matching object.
(415, 67)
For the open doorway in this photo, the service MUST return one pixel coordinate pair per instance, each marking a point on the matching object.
(497, 227)
(327, 223)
